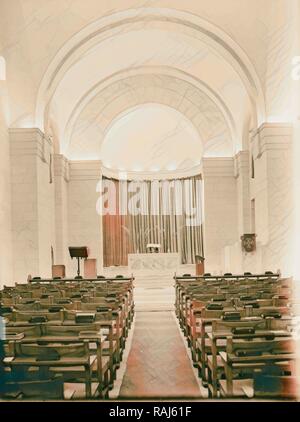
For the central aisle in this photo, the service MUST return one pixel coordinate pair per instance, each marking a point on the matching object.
(158, 365)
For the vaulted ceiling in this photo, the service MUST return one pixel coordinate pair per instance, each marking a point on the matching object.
(76, 68)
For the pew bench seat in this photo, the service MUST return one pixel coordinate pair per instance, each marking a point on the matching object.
(49, 389)
(241, 388)
(263, 387)
(75, 366)
(285, 366)
(207, 345)
(61, 362)
(264, 357)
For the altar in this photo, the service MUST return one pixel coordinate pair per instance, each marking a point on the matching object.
(153, 263)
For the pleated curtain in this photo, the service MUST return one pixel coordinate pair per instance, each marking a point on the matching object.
(168, 213)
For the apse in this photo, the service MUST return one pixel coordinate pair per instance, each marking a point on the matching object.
(151, 138)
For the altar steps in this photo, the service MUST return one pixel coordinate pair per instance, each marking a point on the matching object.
(154, 281)
(154, 299)
(152, 292)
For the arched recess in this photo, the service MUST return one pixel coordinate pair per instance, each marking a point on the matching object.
(120, 23)
(93, 116)
(151, 138)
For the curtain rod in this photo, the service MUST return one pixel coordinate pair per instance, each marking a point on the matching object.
(198, 176)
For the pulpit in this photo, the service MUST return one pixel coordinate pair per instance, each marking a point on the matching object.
(58, 271)
(90, 268)
(199, 264)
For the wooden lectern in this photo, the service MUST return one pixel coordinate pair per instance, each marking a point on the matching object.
(199, 264)
(90, 268)
(78, 252)
(58, 271)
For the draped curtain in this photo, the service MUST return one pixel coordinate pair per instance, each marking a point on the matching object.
(116, 241)
(168, 213)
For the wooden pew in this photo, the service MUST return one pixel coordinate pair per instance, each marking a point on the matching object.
(34, 389)
(252, 355)
(246, 328)
(262, 296)
(59, 357)
(45, 333)
(44, 312)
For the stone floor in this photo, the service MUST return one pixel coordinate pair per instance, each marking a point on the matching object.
(154, 298)
(158, 365)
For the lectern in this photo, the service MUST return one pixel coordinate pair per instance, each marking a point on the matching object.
(58, 271)
(90, 268)
(199, 264)
(78, 252)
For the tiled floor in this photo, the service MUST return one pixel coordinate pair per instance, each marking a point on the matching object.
(158, 365)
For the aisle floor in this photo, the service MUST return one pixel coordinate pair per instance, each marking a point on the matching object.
(158, 365)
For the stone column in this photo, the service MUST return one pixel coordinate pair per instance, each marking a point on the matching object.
(272, 190)
(5, 195)
(220, 211)
(32, 194)
(242, 174)
(85, 224)
(61, 181)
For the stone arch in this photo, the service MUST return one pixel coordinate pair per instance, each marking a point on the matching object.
(86, 38)
(110, 99)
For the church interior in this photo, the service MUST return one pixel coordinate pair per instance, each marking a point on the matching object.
(149, 200)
